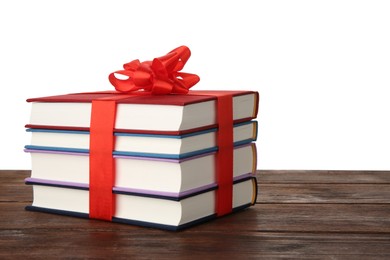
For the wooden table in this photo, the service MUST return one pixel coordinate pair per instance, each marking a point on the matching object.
(299, 214)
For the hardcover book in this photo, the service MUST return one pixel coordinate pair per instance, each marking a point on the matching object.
(140, 175)
(142, 145)
(169, 114)
(141, 210)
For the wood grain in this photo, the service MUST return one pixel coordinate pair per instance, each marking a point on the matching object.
(336, 177)
(298, 215)
(12, 188)
(324, 193)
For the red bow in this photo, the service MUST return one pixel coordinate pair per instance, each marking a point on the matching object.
(160, 76)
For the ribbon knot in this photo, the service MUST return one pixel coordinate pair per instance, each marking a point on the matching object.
(160, 76)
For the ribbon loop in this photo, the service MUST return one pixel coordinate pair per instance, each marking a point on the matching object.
(159, 77)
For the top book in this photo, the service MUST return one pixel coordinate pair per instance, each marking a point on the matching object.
(156, 114)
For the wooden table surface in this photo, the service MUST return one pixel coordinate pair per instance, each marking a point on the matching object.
(298, 215)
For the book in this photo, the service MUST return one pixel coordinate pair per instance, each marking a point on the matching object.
(142, 145)
(173, 178)
(140, 210)
(168, 114)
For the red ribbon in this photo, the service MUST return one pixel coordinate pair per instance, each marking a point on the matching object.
(102, 165)
(225, 156)
(160, 76)
(101, 162)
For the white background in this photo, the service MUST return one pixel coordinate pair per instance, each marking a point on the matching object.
(322, 67)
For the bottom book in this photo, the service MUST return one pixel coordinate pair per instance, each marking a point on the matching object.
(163, 213)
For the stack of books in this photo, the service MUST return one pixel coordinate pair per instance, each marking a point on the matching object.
(165, 150)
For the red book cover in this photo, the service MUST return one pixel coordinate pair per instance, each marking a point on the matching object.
(194, 96)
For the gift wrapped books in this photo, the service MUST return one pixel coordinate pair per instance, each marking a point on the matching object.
(165, 160)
